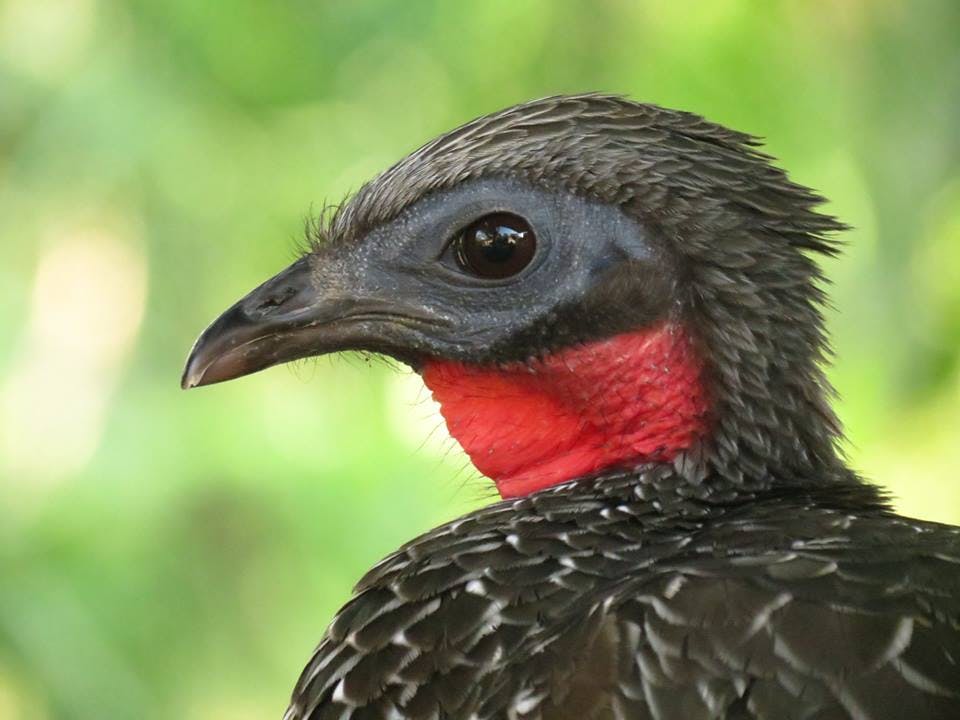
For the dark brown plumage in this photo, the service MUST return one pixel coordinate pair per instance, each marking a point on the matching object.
(750, 575)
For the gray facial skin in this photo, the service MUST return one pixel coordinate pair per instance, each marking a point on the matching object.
(399, 289)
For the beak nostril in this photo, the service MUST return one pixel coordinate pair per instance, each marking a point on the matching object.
(275, 299)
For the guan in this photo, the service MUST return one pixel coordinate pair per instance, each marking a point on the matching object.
(619, 311)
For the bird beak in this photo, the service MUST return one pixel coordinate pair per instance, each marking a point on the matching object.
(286, 318)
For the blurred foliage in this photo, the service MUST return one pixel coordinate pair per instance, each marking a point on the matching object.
(178, 555)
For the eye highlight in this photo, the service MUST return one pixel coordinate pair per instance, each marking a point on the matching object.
(496, 246)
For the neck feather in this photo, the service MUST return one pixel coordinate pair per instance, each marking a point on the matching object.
(631, 399)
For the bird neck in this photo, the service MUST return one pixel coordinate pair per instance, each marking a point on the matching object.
(631, 399)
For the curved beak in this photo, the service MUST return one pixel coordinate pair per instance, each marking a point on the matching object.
(272, 324)
(288, 318)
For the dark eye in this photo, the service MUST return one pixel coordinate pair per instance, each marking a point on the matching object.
(496, 246)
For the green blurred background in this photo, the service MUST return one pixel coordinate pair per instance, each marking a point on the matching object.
(178, 555)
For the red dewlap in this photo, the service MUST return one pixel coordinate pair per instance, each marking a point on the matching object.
(626, 400)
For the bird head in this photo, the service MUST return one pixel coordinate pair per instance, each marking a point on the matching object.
(585, 283)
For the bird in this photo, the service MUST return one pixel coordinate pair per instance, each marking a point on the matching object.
(620, 309)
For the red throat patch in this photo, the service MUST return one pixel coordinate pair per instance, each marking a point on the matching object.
(626, 400)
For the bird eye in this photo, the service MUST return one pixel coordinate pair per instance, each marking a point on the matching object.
(496, 246)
